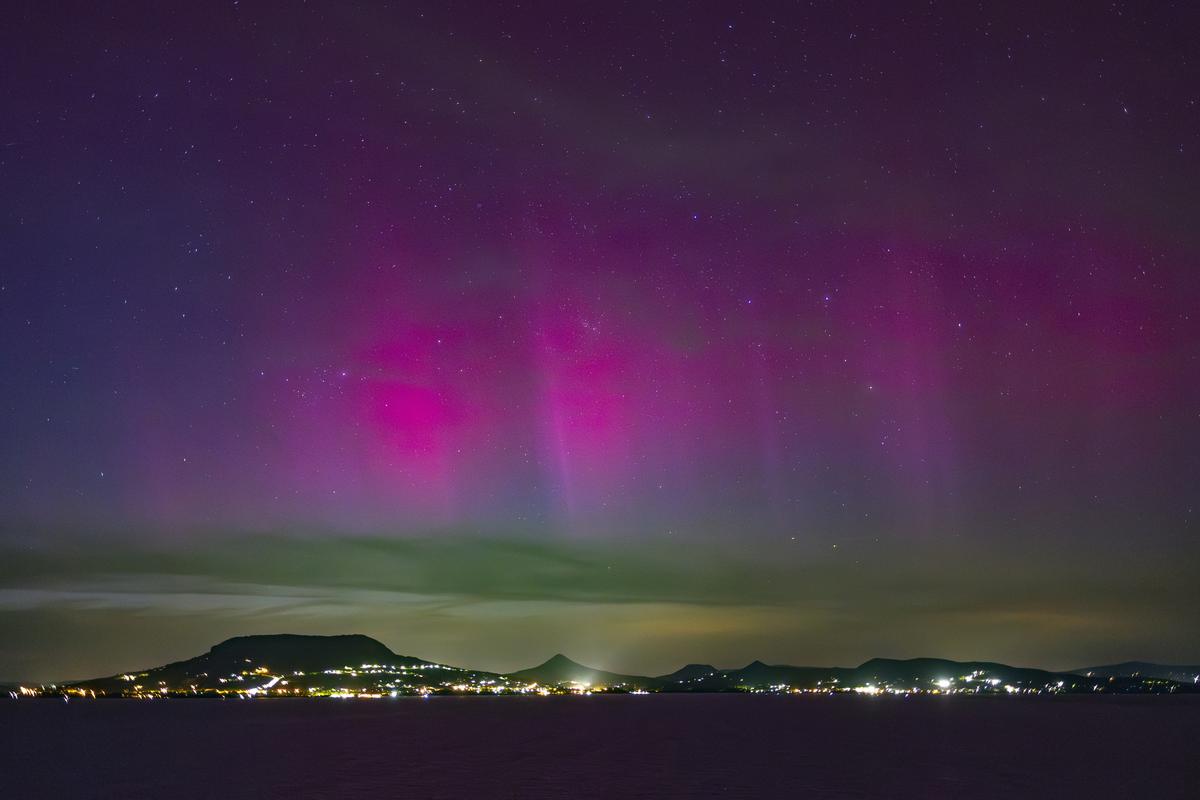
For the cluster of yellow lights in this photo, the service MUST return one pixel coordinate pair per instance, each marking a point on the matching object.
(263, 683)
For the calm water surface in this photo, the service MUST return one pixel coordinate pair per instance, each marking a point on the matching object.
(657, 746)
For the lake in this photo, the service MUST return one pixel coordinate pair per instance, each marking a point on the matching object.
(654, 746)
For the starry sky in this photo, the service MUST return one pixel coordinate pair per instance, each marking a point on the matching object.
(647, 332)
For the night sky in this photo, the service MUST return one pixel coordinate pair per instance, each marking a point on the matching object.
(649, 333)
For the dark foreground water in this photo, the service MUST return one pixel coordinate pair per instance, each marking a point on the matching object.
(604, 747)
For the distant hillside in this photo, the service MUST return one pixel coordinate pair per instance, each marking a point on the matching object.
(1145, 669)
(689, 673)
(323, 660)
(758, 674)
(925, 674)
(561, 670)
(293, 652)
(924, 671)
(356, 665)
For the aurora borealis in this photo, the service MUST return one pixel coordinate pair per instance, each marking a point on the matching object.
(649, 333)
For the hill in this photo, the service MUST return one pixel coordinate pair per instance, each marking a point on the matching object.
(283, 663)
(561, 670)
(926, 671)
(1145, 669)
(759, 675)
(923, 674)
(690, 673)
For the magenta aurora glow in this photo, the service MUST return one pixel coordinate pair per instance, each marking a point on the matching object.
(649, 335)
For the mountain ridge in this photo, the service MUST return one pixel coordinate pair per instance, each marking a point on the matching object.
(1148, 669)
(356, 664)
